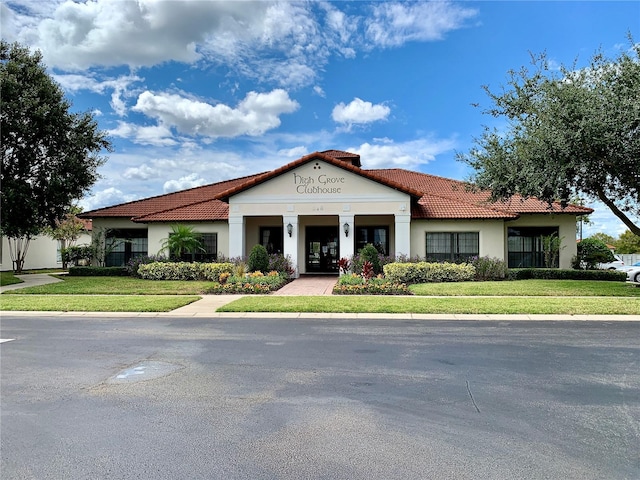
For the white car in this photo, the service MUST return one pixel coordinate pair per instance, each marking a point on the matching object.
(633, 274)
(617, 264)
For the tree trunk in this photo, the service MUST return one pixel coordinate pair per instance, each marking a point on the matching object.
(635, 229)
(18, 247)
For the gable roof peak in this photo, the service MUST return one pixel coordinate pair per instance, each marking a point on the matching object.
(352, 158)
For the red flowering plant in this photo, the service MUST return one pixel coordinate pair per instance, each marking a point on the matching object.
(344, 265)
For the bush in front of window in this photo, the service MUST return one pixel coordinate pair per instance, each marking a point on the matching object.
(258, 259)
(427, 272)
(563, 274)
(489, 268)
(133, 264)
(183, 271)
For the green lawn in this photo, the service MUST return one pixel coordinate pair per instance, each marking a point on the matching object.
(114, 286)
(448, 305)
(104, 303)
(7, 278)
(534, 288)
(118, 294)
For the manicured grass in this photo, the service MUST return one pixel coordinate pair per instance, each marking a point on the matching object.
(106, 303)
(118, 294)
(115, 286)
(534, 288)
(7, 278)
(450, 305)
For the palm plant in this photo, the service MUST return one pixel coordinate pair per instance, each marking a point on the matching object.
(181, 240)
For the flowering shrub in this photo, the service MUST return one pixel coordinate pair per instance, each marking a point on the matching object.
(277, 261)
(183, 270)
(356, 285)
(367, 270)
(134, 263)
(425, 272)
(282, 264)
(488, 268)
(357, 261)
(343, 265)
(249, 284)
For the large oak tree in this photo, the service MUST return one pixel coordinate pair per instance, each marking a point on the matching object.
(50, 155)
(569, 131)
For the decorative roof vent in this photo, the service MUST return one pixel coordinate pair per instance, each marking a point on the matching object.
(352, 158)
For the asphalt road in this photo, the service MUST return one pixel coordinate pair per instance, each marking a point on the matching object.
(171, 398)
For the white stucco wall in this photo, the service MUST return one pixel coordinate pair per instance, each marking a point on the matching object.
(492, 238)
(42, 253)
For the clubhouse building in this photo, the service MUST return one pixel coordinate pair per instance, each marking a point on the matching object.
(325, 206)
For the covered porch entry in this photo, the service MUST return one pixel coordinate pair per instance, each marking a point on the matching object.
(316, 243)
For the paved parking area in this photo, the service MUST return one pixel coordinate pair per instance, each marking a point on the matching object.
(241, 398)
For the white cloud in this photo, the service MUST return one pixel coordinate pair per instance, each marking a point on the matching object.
(287, 43)
(254, 115)
(410, 155)
(359, 112)
(108, 196)
(183, 183)
(143, 172)
(120, 86)
(394, 24)
(295, 152)
(319, 91)
(158, 135)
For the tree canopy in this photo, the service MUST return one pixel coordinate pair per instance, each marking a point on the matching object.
(569, 132)
(50, 155)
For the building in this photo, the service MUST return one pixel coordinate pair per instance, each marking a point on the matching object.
(325, 206)
(43, 252)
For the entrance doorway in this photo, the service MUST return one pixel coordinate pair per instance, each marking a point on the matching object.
(322, 249)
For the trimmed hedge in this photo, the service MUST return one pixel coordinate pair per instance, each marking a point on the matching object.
(426, 272)
(558, 274)
(357, 285)
(255, 282)
(184, 271)
(98, 272)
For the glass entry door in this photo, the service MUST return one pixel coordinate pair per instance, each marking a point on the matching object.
(322, 249)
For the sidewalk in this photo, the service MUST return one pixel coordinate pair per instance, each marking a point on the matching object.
(30, 280)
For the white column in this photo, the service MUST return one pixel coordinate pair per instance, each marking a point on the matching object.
(291, 243)
(403, 234)
(236, 236)
(347, 243)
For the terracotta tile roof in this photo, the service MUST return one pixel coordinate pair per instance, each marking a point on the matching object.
(433, 196)
(257, 180)
(450, 191)
(206, 210)
(352, 158)
(161, 203)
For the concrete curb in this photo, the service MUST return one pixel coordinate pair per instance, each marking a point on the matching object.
(336, 316)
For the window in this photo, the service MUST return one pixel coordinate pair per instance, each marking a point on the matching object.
(123, 245)
(272, 239)
(377, 236)
(452, 247)
(526, 247)
(210, 245)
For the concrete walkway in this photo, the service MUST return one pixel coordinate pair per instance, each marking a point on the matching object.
(31, 280)
(309, 285)
(304, 285)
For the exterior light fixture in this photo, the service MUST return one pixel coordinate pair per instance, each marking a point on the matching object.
(289, 229)
(345, 227)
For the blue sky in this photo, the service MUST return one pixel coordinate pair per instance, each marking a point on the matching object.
(194, 92)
